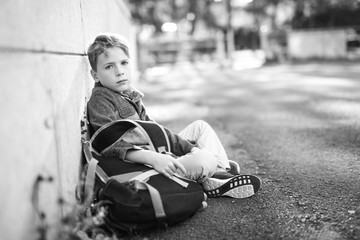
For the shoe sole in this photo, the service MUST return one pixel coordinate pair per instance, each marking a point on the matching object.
(240, 186)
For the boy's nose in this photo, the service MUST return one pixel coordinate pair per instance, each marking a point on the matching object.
(119, 72)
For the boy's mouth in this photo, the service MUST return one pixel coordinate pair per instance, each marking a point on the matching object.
(121, 81)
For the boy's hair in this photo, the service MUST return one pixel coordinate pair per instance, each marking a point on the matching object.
(101, 43)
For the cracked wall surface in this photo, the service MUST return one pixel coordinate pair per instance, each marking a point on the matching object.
(44, 82)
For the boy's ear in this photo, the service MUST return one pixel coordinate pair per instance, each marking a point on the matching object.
(94, 75)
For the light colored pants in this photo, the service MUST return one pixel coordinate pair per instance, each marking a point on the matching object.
(211, 157)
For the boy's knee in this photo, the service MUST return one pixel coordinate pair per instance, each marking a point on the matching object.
(206, 159)
(201, 124)
(199, 165)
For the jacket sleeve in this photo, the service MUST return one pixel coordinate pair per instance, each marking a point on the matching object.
(143, 114)
(179, 146)
(119, 150)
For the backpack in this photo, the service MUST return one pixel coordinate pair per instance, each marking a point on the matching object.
(136, 196)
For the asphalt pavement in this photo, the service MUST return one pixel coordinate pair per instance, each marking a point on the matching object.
(296, 126)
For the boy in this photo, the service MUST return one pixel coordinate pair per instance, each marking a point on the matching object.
(114, 98)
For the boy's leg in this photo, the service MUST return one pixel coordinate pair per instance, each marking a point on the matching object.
(206, 138)
(209, 165)
(200, 165)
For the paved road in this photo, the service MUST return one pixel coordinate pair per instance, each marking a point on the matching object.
(295, 126)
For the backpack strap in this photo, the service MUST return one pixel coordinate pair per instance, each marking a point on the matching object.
(143, 177)
(155, 198)
(157, 135)
(92, 170)
(92, 162)
(114, 131)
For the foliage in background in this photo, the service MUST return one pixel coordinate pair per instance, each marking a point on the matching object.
(326, 14)
(307, 13)
(155, 13)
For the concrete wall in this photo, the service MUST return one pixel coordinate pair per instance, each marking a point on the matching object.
(322, 44)
(44, 81)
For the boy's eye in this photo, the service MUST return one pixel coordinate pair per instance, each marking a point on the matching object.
(124, 63)
(108, 66)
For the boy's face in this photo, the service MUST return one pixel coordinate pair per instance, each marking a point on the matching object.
(113, 70)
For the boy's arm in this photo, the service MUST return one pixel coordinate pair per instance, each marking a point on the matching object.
(163, 163)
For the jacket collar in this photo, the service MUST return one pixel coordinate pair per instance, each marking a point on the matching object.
(132, 93)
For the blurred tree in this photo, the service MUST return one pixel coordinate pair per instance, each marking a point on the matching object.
(264, 9)
(157, 12)
(150, 12)
(326, 13)
(308, 13)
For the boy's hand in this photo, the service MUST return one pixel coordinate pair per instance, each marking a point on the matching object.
(163, 163)
(166, 164)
